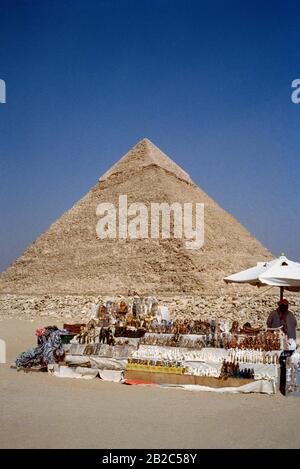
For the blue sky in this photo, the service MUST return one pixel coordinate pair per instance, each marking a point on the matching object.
(208, 82)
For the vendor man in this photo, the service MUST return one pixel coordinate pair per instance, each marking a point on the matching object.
(282, 317)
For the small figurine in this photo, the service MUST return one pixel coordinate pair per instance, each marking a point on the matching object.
(122, 308)
(234, 327)
(102, 335)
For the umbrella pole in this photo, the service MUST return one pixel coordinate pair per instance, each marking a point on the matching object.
(281, 293)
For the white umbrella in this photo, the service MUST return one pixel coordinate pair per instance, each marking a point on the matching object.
(280, 272)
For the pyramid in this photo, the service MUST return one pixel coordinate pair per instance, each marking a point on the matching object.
(69, 257)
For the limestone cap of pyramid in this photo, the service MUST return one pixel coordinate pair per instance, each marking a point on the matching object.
(143, 154)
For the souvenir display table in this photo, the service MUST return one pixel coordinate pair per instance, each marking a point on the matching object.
(129, 340)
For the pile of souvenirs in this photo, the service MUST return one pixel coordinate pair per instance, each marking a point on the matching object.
(135, 334)
(142, 335)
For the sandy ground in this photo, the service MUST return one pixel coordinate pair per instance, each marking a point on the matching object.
(40, 411)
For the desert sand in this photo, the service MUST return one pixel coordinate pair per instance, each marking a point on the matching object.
(41, 411)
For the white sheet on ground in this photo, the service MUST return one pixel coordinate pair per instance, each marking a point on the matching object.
(97, 362)
(78, 372)
(85, 373)
(262, 386)
(111, 375)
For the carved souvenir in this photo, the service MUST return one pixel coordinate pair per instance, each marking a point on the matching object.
(130, 320)
(109, 337)
(89, 350)
(122, 307)
(81, 336)
(233, 342)
(109, 305)
(235, 327)
(102, 336)
(102, 312)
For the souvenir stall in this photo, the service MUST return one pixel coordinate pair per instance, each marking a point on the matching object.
(133, 340)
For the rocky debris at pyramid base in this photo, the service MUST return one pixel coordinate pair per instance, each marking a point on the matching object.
(238, 307)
